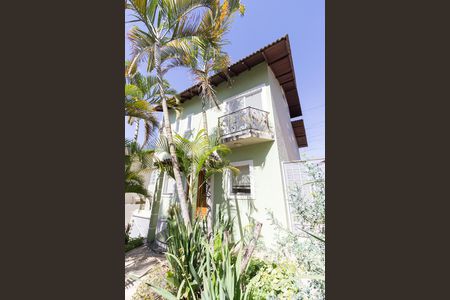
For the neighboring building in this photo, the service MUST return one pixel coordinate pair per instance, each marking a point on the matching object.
(254, 120)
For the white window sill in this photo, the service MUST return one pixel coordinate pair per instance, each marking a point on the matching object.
(241, 197)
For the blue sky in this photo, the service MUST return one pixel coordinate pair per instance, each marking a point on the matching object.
(264, 22)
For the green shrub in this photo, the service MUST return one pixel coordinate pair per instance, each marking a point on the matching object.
(254, 266)
(306, 244)
(185, 253)
(131, 243)
(222, 276)
(202, 268)
(275, 281)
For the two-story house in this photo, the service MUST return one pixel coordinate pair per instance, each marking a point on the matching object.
(255, 121)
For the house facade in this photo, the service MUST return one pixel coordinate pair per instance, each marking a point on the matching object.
(254, 120)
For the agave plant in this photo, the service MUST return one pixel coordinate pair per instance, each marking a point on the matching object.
(197, 270)
(223, 277)
(185, 255)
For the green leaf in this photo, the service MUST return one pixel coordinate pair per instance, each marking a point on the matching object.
(163, 293)
(180, 289)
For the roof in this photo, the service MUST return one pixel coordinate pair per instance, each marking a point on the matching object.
(278, 56)
(300, 133)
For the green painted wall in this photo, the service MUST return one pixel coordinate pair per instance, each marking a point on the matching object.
(267, 174)
(255, 77)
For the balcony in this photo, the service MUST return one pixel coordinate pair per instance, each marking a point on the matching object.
(245, 127)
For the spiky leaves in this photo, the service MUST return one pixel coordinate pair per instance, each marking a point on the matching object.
(137, 163)
(194, 155)
(138, 108)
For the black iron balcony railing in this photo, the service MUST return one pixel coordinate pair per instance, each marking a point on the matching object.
(245, 119)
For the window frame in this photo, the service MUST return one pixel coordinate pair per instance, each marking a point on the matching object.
(187, 123)
(168, 183)
(229, 177)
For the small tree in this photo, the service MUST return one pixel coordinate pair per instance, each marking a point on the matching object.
(199, 154)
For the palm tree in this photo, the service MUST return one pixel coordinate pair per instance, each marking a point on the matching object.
(137, 162)
(137, 108)
(140, 89)
(169, 25)
(206, 58)
(201, 154)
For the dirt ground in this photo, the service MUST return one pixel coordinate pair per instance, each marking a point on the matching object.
(138, 263)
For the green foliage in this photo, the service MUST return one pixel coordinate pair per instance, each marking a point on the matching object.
(254, 266)
(137, 162)
(131, 243)
(139, 94)
(194, 154)
(185, 253)
(199, 153)
(306, 244)
(275, 281)
(222, 278)
(206, 56)
(202, 268)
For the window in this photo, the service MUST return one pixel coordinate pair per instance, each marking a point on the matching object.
(177, 126)
(241, 185)
(252, 98)
(241, 182)
(168, 185)
(187, 126)
(153, 179)
(189, 122)
(234, 105)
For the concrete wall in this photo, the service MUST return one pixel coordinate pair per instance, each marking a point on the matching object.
(132, 200)
(129, 209)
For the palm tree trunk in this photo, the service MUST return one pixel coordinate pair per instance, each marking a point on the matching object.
(205, 122)
(193, 192)
(168, 132)
(209, 200)
(136, 131)
(210, 204)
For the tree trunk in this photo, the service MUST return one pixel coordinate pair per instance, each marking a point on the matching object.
(194, 194)
(209, 199)
(205, 122)
(136, 131)
(210, 205)
(168, 132)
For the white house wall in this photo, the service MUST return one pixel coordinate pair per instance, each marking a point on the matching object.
(284, 134)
